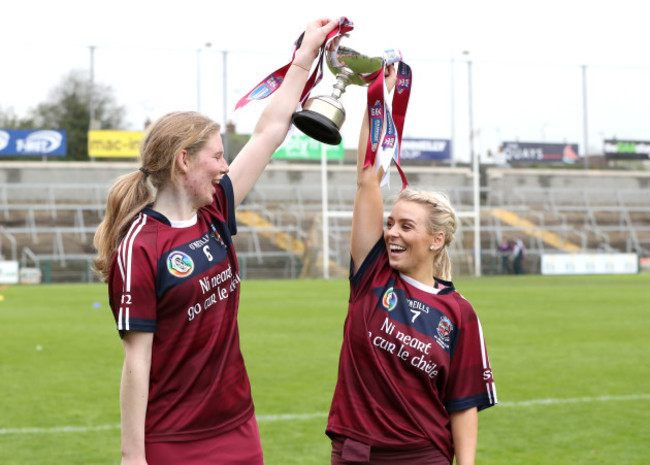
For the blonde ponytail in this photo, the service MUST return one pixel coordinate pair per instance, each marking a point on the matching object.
(442, 264)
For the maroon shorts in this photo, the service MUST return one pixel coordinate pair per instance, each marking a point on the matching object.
(347, 451)
(240, 446)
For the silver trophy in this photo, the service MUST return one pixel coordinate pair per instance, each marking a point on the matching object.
(322, 117)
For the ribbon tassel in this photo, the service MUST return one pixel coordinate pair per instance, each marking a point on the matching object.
(272, 82)
(387, 119)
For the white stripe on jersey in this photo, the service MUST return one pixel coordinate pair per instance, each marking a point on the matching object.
(124, 252)
(483, 352)
(121, 253)
(492, 392)
(129, 250)
(124, 256)
(490, 387)
(123, 319)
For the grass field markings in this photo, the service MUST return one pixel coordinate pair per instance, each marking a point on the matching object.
(575, 400)
(309, 416)
(57, 429)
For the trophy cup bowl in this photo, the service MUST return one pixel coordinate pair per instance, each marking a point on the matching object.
(322, 117)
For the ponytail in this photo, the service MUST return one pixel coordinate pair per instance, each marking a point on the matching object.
(442, 263)
(130, 194)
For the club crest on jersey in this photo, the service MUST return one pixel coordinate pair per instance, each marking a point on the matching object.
(389, 300)
(444, 330)
(180, 264)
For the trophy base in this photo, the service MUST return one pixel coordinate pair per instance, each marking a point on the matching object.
(321, 119)
(317, 127)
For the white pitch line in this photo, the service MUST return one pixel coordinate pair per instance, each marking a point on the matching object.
(309, 416)
(57, 429)
(575, 400)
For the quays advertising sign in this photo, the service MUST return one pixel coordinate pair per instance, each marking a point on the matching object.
(535, 152)
(32, 142)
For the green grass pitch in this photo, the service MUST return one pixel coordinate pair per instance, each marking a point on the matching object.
(571, 358)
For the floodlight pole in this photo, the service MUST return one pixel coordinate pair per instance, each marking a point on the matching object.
(584, 115)
(476, 174)
(91, 96)
(452, 116)
(198, 75)
(325, 208)
(224, 61)
(198, 79)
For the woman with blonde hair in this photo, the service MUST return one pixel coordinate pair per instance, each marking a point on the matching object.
(173, 282)
(413, 369)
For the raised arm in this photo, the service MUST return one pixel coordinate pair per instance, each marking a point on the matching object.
(273, 125)
(368, 215)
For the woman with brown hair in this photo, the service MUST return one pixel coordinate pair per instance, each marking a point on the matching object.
(173, 281)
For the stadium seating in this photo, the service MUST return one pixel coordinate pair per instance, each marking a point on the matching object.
(51, 224)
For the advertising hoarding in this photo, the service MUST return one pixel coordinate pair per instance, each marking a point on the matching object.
(114, 144)
(425, 149)
(301, 147)
(602, 263)
(627, 150)
(540, 152)
(32, 142)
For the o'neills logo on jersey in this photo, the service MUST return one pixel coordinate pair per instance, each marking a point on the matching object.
(444, 330)
(180, 264)
(389, 300)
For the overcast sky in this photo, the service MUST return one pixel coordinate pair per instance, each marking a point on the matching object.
(527, 60)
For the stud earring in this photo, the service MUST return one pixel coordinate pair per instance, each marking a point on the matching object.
(432, 247)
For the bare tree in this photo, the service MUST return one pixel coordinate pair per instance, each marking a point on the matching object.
(68, 108)
(9, 119)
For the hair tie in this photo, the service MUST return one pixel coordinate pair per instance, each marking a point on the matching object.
(145, 171)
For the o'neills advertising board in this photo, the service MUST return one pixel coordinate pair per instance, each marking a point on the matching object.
(627, 150)
(426, 149)
(540, 152)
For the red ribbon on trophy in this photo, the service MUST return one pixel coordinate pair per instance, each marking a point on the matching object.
(272, 82)
(386, 126)
(386, 119)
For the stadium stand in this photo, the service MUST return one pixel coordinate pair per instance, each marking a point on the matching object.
(48, 221)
